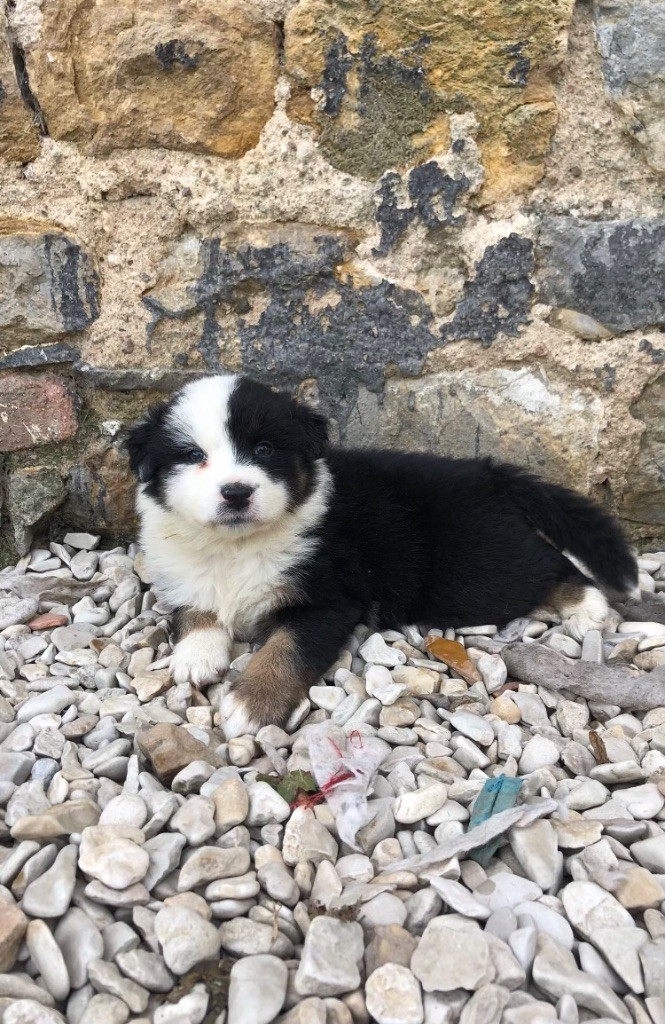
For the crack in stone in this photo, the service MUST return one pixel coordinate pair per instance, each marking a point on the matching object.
(22, 78)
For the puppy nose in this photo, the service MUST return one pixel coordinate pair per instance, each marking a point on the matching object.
(237, 495)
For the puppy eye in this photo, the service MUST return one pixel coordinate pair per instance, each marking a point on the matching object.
(195, 455)
(264, 450)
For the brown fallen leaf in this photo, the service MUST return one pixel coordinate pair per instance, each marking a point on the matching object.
(598, 747)
(455, 655)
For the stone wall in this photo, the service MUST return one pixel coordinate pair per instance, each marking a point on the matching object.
(442, 221)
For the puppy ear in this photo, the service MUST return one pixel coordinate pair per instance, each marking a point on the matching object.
(315, 428)
(139, 443)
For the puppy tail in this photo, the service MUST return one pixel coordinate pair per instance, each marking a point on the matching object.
(576, 527)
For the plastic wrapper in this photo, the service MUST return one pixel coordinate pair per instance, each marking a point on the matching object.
(344, 766)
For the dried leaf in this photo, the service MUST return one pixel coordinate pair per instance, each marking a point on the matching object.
(290, 784)
(455, 655)
(598, 747)
(346, 913)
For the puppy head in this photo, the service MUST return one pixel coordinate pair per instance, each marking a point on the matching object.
(229, 452)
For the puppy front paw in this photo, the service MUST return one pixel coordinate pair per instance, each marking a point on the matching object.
(238, 715)
(250, 703)
(202, 657)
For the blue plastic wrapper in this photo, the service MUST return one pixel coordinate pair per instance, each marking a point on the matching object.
(496, 795)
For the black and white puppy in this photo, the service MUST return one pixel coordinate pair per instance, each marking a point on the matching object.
(254, 528)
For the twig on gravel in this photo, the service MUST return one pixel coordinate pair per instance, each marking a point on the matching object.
(534, 663)
(48, 588)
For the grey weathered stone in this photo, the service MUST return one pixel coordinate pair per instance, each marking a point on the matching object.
(631, 40)
(48, 282)
(611, 270)
(32, 493)
(516, 415)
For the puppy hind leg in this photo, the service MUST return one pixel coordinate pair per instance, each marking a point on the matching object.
(581, 605)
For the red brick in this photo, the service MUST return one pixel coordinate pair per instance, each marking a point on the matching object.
(34, 411)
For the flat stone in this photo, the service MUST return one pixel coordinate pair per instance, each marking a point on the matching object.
(186, 938)
(53, 701)
(556, 973)
(265, 805)
(257, 990)
(146, 969)
(231, 804)
(244, 937)
(80, 942)
(48, 959)
(164, 851)
(587, 793)
(589, 907)
(29, 1011)
(620, 948)
(652, 956)
(650, 853)
(330, 958)
(103, 1009)
(536, 848)
(15, 610)
(112, 859)
(539, 752)
(105, 977)
(208, 863)
(393, 996)
(376, 651)
(82, 541)
(51, 893)
(60, 820)
(306, 839)
(133, 896)
(195, 820)
(576, 834)
(642, 801)
(171, 748)
(639, 890)
(390, 944)
(449, 958)
(506, 890)
(421, 803)
(459, 899)
(13, 925)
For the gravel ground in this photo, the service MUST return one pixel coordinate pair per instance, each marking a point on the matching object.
(149, 872)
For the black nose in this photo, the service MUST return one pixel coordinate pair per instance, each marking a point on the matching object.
(237, 495)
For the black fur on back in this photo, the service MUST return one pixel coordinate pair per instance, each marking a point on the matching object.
(418, 538)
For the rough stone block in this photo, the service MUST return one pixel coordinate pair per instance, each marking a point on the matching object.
(34, 411)
(32, 493)
(516, 415)
(48, 283)
(631, 39)
(644, 502)
(386, 78)
(195, 75)
(19, 136)
(610, 270)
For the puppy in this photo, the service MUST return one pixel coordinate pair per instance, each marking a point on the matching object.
(254, 528)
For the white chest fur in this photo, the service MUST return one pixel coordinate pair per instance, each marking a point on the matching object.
(241, 579)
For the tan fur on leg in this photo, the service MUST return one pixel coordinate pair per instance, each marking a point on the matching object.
(269, 689)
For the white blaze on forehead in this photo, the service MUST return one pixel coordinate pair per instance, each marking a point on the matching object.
(199, 418)
(200, 414)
